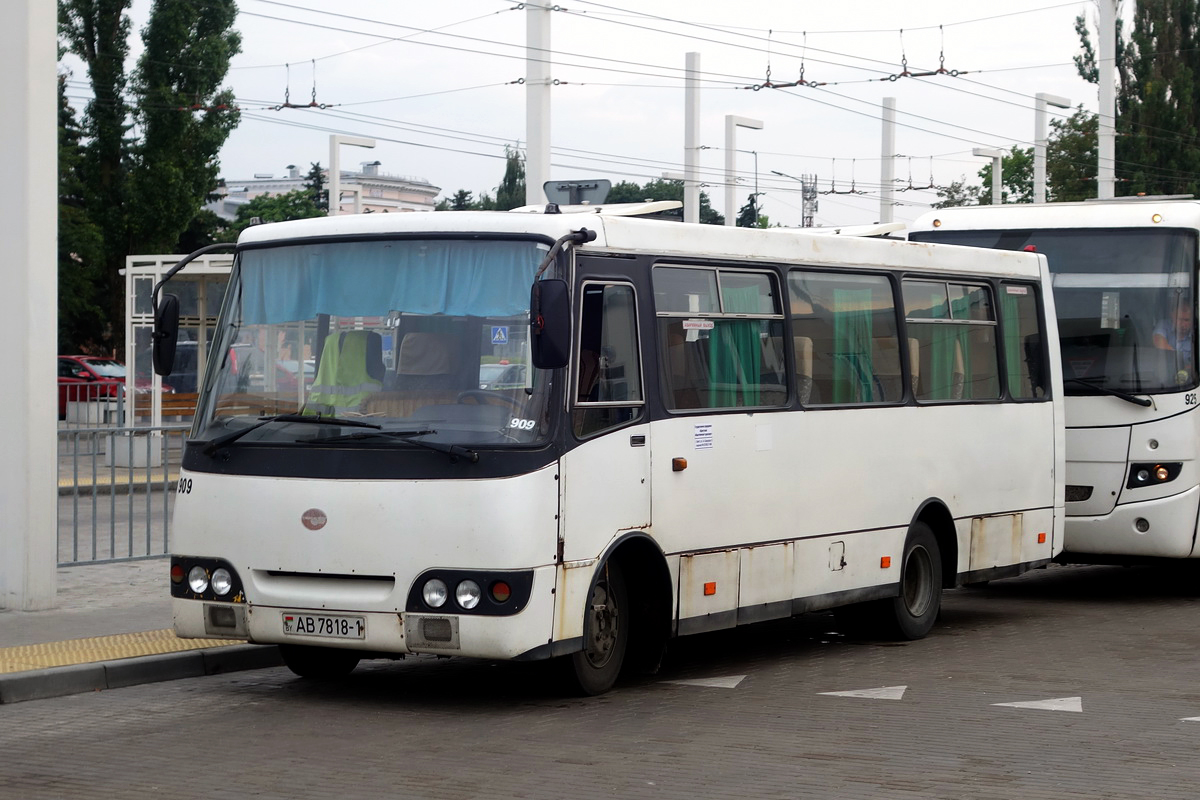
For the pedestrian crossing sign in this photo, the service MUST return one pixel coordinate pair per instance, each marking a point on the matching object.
(499, 334)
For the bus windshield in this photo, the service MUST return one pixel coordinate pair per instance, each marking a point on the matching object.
(402, 335)
(1125, 300)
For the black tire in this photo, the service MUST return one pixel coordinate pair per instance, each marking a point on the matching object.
(594, 669)
(912, 613)
(318, 663)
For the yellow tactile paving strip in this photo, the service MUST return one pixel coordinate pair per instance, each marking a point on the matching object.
(100, 648)
(120, 477)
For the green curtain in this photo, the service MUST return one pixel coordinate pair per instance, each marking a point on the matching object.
(1010, 314)
(852, 367)
(735, 352)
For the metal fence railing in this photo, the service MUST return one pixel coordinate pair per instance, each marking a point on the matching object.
(91, 405)
(116, 490)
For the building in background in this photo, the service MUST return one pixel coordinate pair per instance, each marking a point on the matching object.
(380, 192)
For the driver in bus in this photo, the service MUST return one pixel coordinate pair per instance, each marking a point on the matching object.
(1175, 333)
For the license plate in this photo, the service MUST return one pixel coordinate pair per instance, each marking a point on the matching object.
(324, 625)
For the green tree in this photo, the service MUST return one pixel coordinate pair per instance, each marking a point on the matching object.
(1071, 157)
(144, 192)
(625, 192)
(662, 189)
(1016, 178)
(958, 193)
(1158, 117)
(750, 216)
(511, 191)
(461, 201)
(97, 31)
(296, 204)
(183, 116)
(314, 184)
(80, 245)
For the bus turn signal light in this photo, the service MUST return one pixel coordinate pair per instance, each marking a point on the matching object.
(678, 464)
(710, 588)
(1041, 538)
(501, 591)
(885, 562)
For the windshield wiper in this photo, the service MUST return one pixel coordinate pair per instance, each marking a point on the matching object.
(453, 450)
(310, 419)
(1145, 402)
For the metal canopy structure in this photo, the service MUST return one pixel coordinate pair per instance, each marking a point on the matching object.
(201, 289)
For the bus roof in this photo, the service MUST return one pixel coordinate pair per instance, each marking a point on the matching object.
(1119, 213)
(683, 240)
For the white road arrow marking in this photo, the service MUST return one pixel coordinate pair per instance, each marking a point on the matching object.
(1055, 704)
(882, 693)
(728, 682)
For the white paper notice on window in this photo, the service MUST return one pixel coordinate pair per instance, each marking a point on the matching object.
(1110, 310)
(704, 437)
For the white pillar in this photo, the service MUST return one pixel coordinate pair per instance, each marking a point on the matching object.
(29, 307)
(1106, 67)
(1041, 100)
(887, 162)
(335, 168)
(691, 139)
(537, 101)
(732, 123)
(997, 157)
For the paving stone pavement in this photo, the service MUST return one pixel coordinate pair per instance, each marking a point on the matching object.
(1122, 641)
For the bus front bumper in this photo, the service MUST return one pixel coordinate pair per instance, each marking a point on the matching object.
(1161, 528)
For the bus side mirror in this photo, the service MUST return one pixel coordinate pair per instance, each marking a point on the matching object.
(166, 334)
(550, 324)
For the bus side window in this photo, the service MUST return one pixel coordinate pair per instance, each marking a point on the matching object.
(608, 370)
(1022, 342)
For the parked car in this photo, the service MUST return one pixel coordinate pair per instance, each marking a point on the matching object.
(501, 376)
(84, 379)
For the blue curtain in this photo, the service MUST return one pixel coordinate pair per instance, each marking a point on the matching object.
(297, 282)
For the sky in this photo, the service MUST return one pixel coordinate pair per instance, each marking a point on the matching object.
(435, 85)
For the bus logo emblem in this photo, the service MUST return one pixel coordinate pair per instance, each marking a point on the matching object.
(314, 519)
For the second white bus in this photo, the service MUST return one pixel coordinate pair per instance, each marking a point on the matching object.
(708, 427)
(1124, 275)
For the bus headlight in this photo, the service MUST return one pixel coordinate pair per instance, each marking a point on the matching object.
(222, 581)
(435, 593)
(198, 579)
(467, 594)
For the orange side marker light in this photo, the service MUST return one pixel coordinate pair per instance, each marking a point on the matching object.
(1041, 538)
(885, 562)
(678, 464)
(710, 588)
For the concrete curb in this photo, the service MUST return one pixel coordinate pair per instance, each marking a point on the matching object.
(78, 678)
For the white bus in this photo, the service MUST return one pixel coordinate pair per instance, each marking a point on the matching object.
(712, 427)
(1124, 273)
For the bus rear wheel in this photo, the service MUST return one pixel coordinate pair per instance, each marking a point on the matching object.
(912, 613)
(595, 668)
(318, 663)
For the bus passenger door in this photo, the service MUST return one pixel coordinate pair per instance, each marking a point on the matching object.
(605, 474)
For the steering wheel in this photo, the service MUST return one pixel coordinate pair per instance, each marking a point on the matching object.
(482, 394)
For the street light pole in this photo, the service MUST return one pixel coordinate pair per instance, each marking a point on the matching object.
(732, 123)
(335, 169)
(997, 157)
(1039, 140)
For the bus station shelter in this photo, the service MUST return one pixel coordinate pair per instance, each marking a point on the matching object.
(200, 289)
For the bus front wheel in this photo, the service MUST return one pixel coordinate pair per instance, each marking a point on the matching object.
(595, 668)
(318, 663)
